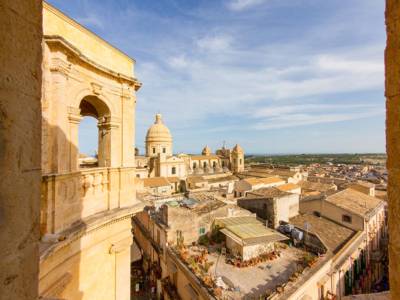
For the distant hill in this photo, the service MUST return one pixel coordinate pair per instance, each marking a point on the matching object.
(306, 159)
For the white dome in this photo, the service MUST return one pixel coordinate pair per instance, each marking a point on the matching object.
(158, 132)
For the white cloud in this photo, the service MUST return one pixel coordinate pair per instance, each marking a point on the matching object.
(215, 43)
(91, 20)
(288, 110)
(239, 5)
(178, 62)
(337, 64)
(295, 120)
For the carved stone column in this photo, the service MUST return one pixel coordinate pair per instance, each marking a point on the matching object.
(109, 142)
(74, 117)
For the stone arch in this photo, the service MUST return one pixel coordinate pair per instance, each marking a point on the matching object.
(94, 106)
(87, 92)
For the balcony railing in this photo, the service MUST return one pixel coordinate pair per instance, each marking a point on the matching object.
(72, 197)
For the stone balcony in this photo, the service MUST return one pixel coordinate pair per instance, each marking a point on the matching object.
(70, 198)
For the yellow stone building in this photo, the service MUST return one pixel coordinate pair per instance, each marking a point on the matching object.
(160, 161)
(86, 212)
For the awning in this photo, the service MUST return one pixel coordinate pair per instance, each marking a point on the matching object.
(136, 254)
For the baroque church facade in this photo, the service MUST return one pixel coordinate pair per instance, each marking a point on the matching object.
(159, 160)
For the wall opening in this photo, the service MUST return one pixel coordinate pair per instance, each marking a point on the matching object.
(88, 142)
(94, 133)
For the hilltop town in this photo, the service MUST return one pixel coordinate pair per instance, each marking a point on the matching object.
(217, 227)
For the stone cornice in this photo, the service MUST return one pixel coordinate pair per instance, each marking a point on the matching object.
(89, 226)
(58, 40)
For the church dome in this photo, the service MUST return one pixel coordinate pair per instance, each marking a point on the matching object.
(238, 149)
(158, 132)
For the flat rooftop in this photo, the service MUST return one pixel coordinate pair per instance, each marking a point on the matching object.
(252, 282)
(197, 203)
(247, 230)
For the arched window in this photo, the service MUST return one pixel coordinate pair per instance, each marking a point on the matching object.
(88, 142)
(93, 133)
(173, 171)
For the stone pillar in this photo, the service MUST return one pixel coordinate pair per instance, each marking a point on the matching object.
(128, 127)
(58, 122)
(109, 144)
(74, 117)
(392, 93)
(20, 149)
(122, 252)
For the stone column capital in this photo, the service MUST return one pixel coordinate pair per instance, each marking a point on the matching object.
(109, 123)
(59, 65)
(120, 246)
(74, 115)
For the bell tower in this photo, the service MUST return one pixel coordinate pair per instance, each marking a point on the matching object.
(237, 159)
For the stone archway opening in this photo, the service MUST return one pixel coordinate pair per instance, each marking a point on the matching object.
(88, 142)
(94, 113)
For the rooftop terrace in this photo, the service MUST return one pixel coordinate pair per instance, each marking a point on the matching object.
(273, 275)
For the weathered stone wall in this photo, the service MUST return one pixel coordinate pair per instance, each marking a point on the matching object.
(392, 74)
(20, 131)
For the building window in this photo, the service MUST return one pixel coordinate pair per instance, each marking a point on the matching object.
(173, 171)
(194, 165)
(214, 164)
(234, 161)
(202, 231)
(204, 165)
(346, 218)
(240, 161)
(317, 214)
(164, 150)
(223, 163)
(154, 150)
(137, 175)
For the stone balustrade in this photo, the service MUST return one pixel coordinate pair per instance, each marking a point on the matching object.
(71, 197)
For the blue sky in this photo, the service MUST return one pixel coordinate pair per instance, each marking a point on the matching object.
(276, 76)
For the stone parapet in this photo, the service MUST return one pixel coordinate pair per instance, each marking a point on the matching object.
(72, 197)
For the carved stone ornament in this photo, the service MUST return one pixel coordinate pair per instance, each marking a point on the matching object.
(96, 88)
(59, 65)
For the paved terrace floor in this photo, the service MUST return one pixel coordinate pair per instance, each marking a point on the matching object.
(257, 280)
